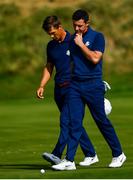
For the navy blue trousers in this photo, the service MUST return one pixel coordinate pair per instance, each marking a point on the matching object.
(61, 95)
(90, 92)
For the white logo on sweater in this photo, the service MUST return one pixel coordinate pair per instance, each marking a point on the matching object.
(68, 53)
(87, 43)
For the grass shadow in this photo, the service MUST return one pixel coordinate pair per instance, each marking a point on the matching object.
(25, 166)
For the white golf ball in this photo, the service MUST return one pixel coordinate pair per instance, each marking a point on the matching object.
(42, 171)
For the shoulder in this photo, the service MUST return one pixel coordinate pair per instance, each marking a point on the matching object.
(51, 43)
(95, 31)
(98, 34)
(99, 37)
(68, 36)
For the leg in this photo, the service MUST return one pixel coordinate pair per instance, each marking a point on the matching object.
(61, 98)
(95, 102)
(86, 145)
(61, 101)
(76, 110)
(64, 132)
(88, 150)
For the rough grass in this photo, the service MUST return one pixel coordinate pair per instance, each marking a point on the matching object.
(27, 7)
(23, 42)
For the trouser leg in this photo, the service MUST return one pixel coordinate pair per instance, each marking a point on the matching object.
(61, 101)
(95, 101)
(64, 132)
(86, 144)
(76, 109)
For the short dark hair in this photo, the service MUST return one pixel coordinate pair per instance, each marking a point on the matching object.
(51, 21)
(80, 14)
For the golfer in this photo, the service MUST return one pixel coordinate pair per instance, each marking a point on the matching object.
(86, 51)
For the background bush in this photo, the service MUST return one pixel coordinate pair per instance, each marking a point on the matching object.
(23, 44)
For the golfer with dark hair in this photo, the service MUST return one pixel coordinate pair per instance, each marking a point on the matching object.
(86, 51)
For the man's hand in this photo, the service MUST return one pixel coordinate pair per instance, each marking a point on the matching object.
(78, 40)
(40, 92)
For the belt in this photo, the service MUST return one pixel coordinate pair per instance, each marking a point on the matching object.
(64, 84)
(85, 80)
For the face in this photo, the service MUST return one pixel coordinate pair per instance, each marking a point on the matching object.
(80, 26)
(55, 33)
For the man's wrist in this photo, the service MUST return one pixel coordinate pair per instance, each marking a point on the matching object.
(81, 45)
(42, 87)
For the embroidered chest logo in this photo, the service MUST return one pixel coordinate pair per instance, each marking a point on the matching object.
(87, 43)
(68, 53)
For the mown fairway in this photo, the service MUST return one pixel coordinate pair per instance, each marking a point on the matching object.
(30, 127)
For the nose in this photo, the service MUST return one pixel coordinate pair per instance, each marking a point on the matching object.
(52, 36)
(76, 28)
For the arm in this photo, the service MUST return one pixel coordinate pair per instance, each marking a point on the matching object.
(47, 72)
(93, 56)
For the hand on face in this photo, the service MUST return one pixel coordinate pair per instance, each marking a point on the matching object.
(78, 39)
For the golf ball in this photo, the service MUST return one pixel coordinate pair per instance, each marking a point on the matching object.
(42, 171)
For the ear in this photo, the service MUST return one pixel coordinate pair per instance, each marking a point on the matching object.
(89, 20)
(88, 23)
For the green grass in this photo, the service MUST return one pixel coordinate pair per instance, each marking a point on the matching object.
(30, 127)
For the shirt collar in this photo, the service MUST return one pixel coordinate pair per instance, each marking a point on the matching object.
(88, 31)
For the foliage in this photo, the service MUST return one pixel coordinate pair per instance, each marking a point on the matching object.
(23, 42)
